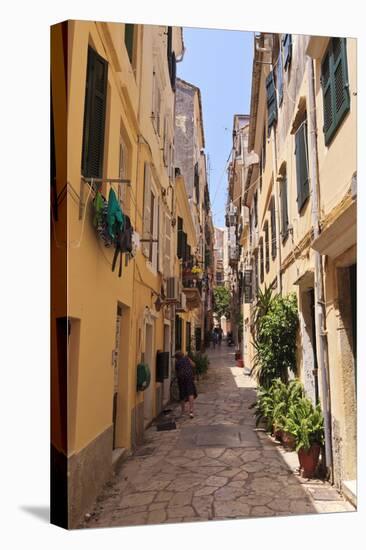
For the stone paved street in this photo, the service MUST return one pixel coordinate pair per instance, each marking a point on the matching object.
(214, 466)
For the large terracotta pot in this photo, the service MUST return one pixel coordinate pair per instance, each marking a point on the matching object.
(309, 460)
(240, 363)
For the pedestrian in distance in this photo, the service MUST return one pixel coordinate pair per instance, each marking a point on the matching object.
(220, 336)
(184, 368)
(214, 338)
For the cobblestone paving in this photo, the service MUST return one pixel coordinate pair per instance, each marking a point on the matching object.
(178, 476)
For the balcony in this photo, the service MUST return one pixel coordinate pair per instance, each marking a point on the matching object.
(234, 255)
(231, 217)
(192, 288)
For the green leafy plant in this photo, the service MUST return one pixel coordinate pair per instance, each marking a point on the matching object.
(222, 302)
(201, 361)
(273, 403)
(276, 323)
(305, 422)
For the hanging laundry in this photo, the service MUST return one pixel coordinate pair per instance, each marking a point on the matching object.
(115, 217)
(123, 243)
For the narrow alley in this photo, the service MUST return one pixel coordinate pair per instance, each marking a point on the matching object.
(214, 466)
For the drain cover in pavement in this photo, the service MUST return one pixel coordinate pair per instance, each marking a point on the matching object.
(219, 435)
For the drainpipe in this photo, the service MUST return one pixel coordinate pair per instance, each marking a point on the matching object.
(320, 315)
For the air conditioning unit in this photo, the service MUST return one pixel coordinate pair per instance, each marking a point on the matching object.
(182, 304)
(172, 289)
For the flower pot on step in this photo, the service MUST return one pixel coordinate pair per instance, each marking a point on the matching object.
(309, 460)
(240, 363)
(289, 441)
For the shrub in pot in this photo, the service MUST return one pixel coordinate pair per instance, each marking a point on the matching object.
(306, 424)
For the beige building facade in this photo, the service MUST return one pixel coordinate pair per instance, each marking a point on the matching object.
(300, 235)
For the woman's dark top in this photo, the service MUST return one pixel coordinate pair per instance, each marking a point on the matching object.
(185, 378)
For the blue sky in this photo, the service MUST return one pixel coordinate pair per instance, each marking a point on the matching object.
(219, 62)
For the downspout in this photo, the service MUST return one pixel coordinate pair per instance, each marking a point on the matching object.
(320, 314)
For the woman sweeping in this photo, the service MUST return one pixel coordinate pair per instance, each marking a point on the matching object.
(187, 390)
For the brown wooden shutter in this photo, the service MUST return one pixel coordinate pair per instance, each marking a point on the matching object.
(94, 115)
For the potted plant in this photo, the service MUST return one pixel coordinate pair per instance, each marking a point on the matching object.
(305, 423)
(201, 361)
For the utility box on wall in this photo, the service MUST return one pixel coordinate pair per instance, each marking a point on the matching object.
(162, 365)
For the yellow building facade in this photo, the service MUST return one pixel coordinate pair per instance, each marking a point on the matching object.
(300, 235)
(113, 109)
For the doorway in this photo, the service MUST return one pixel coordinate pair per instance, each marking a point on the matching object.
(116, 373)
(166, 390)
(148, 359)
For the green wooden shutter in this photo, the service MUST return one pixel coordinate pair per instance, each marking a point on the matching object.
(129, 36)
(94, 115)
(334, 79)
(302, 174)
(280, 77)
(287, 49)
(271, 100)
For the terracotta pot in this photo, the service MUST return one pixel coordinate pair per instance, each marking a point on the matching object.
(309, 460)
(288, 441)
(240, 363)
(278, 434)
(237, 355)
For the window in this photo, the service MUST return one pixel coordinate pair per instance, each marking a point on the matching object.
(129, 40)
(180, 238)
(94, 115)
(261, 258)
(271, 100)
(284, 208)
(150, 218)
(287, 50)
(167, 246)
(264, 147)
(334, 80)
(273, 229)
(178, 333)
(302, 170)
(266, 240)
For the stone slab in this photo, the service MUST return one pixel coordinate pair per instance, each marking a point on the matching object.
(219, 435)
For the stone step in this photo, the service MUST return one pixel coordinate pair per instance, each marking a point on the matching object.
(349, 491)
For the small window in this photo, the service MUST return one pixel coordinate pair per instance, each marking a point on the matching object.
(197, 182)
(334, 79)
(302, 166)
(129, 40)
